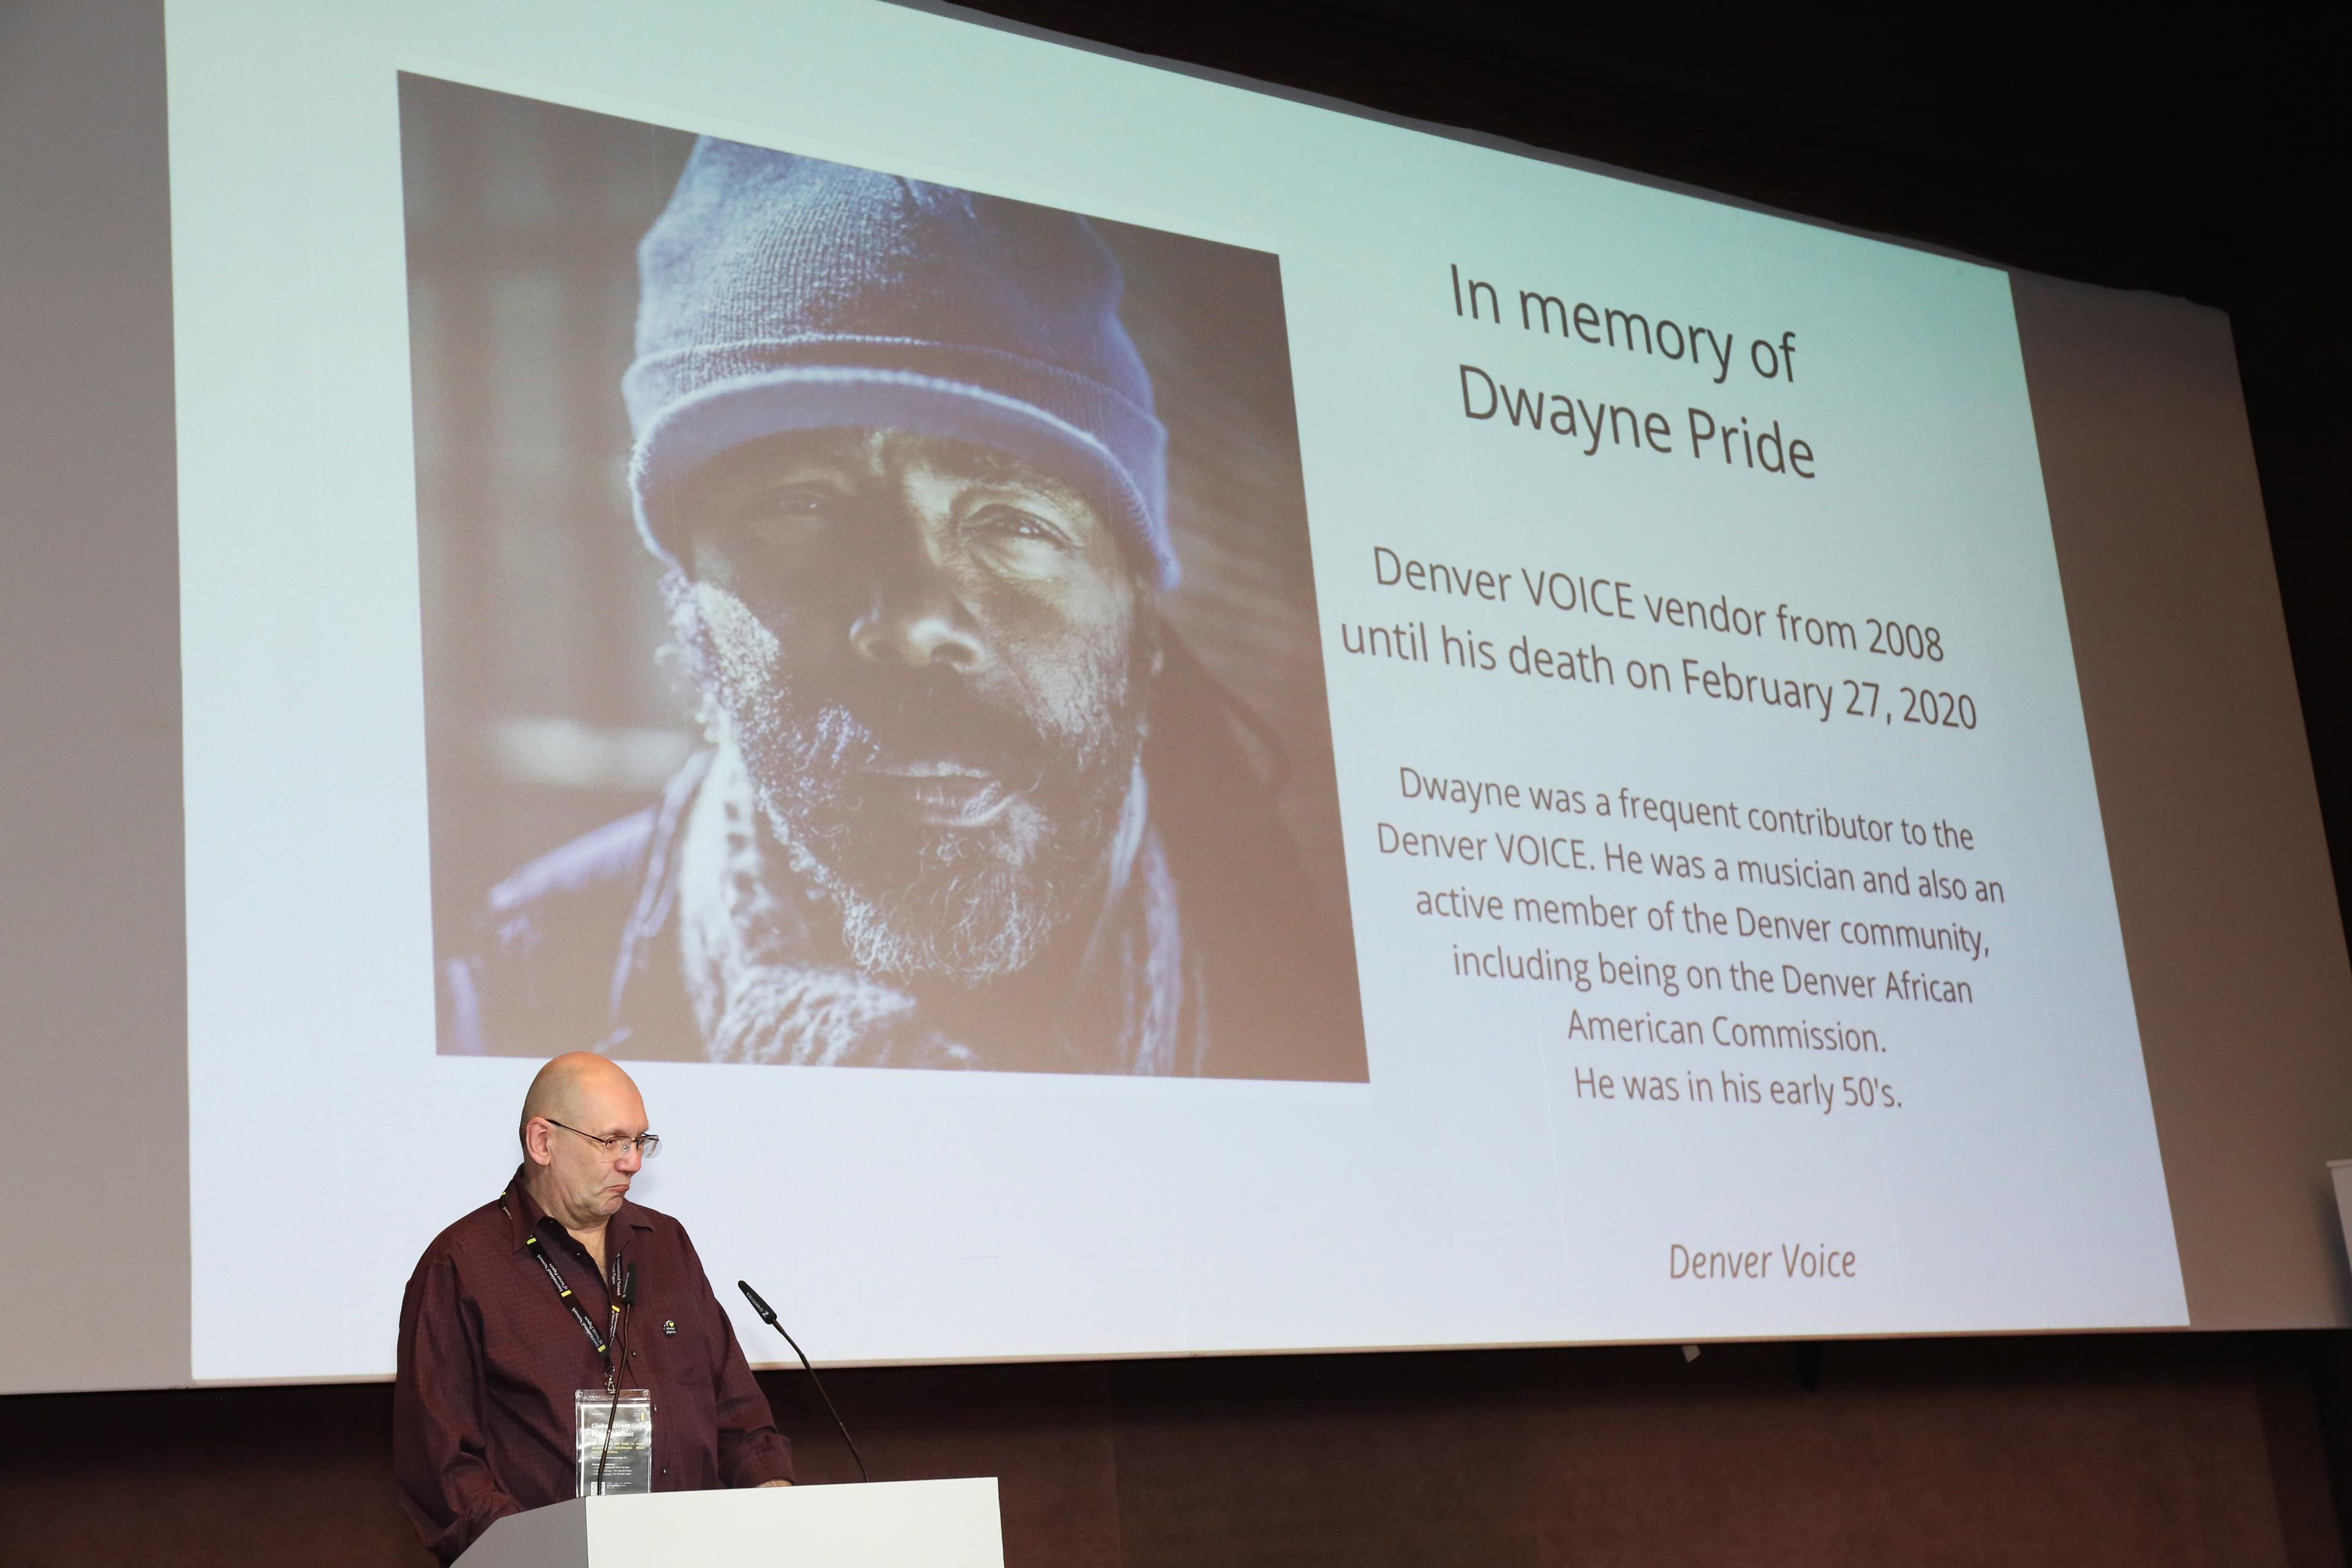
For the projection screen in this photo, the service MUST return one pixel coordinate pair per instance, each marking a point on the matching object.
(1162, 719)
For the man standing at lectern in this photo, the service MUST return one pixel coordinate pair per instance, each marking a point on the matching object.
(492, 1349)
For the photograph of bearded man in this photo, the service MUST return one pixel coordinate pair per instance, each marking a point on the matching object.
(964, 798)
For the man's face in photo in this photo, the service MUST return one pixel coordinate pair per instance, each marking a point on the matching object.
(935, 659)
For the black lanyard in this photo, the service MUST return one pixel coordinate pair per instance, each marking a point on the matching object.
(579, 1313)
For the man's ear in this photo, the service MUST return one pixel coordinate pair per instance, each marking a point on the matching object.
(538, 1141)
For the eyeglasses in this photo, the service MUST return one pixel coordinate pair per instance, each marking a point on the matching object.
(648, 1144)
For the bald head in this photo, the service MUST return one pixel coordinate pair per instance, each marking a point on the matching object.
(582, 1089)
(581, 1176)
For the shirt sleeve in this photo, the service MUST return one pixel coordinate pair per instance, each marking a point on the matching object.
(439, 1449)
(751, 1449)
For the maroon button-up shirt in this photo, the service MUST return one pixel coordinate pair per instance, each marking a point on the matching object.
(482, 1421)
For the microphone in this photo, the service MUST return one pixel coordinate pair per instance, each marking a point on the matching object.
(767, 1316)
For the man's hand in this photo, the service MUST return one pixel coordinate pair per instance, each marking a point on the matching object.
(775, 1483)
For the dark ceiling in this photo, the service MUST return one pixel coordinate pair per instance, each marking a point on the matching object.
(2197, 154)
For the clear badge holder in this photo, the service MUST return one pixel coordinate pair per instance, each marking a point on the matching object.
(627, 1459)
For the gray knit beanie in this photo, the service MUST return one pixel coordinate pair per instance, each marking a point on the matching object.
(787, 293)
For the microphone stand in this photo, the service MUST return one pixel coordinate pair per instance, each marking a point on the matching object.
(627, 1291)
(767, 1316)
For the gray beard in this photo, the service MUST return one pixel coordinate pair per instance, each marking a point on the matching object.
(959, 914)
(915, 905)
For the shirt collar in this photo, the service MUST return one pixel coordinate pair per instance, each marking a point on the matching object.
(525, 1218)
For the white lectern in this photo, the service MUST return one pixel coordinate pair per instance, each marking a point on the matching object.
(881, 1524)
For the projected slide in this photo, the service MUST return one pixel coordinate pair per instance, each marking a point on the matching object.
(1159, 720)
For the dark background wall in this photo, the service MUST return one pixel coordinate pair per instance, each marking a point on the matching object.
(2147, 1450)
(2197, 156)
